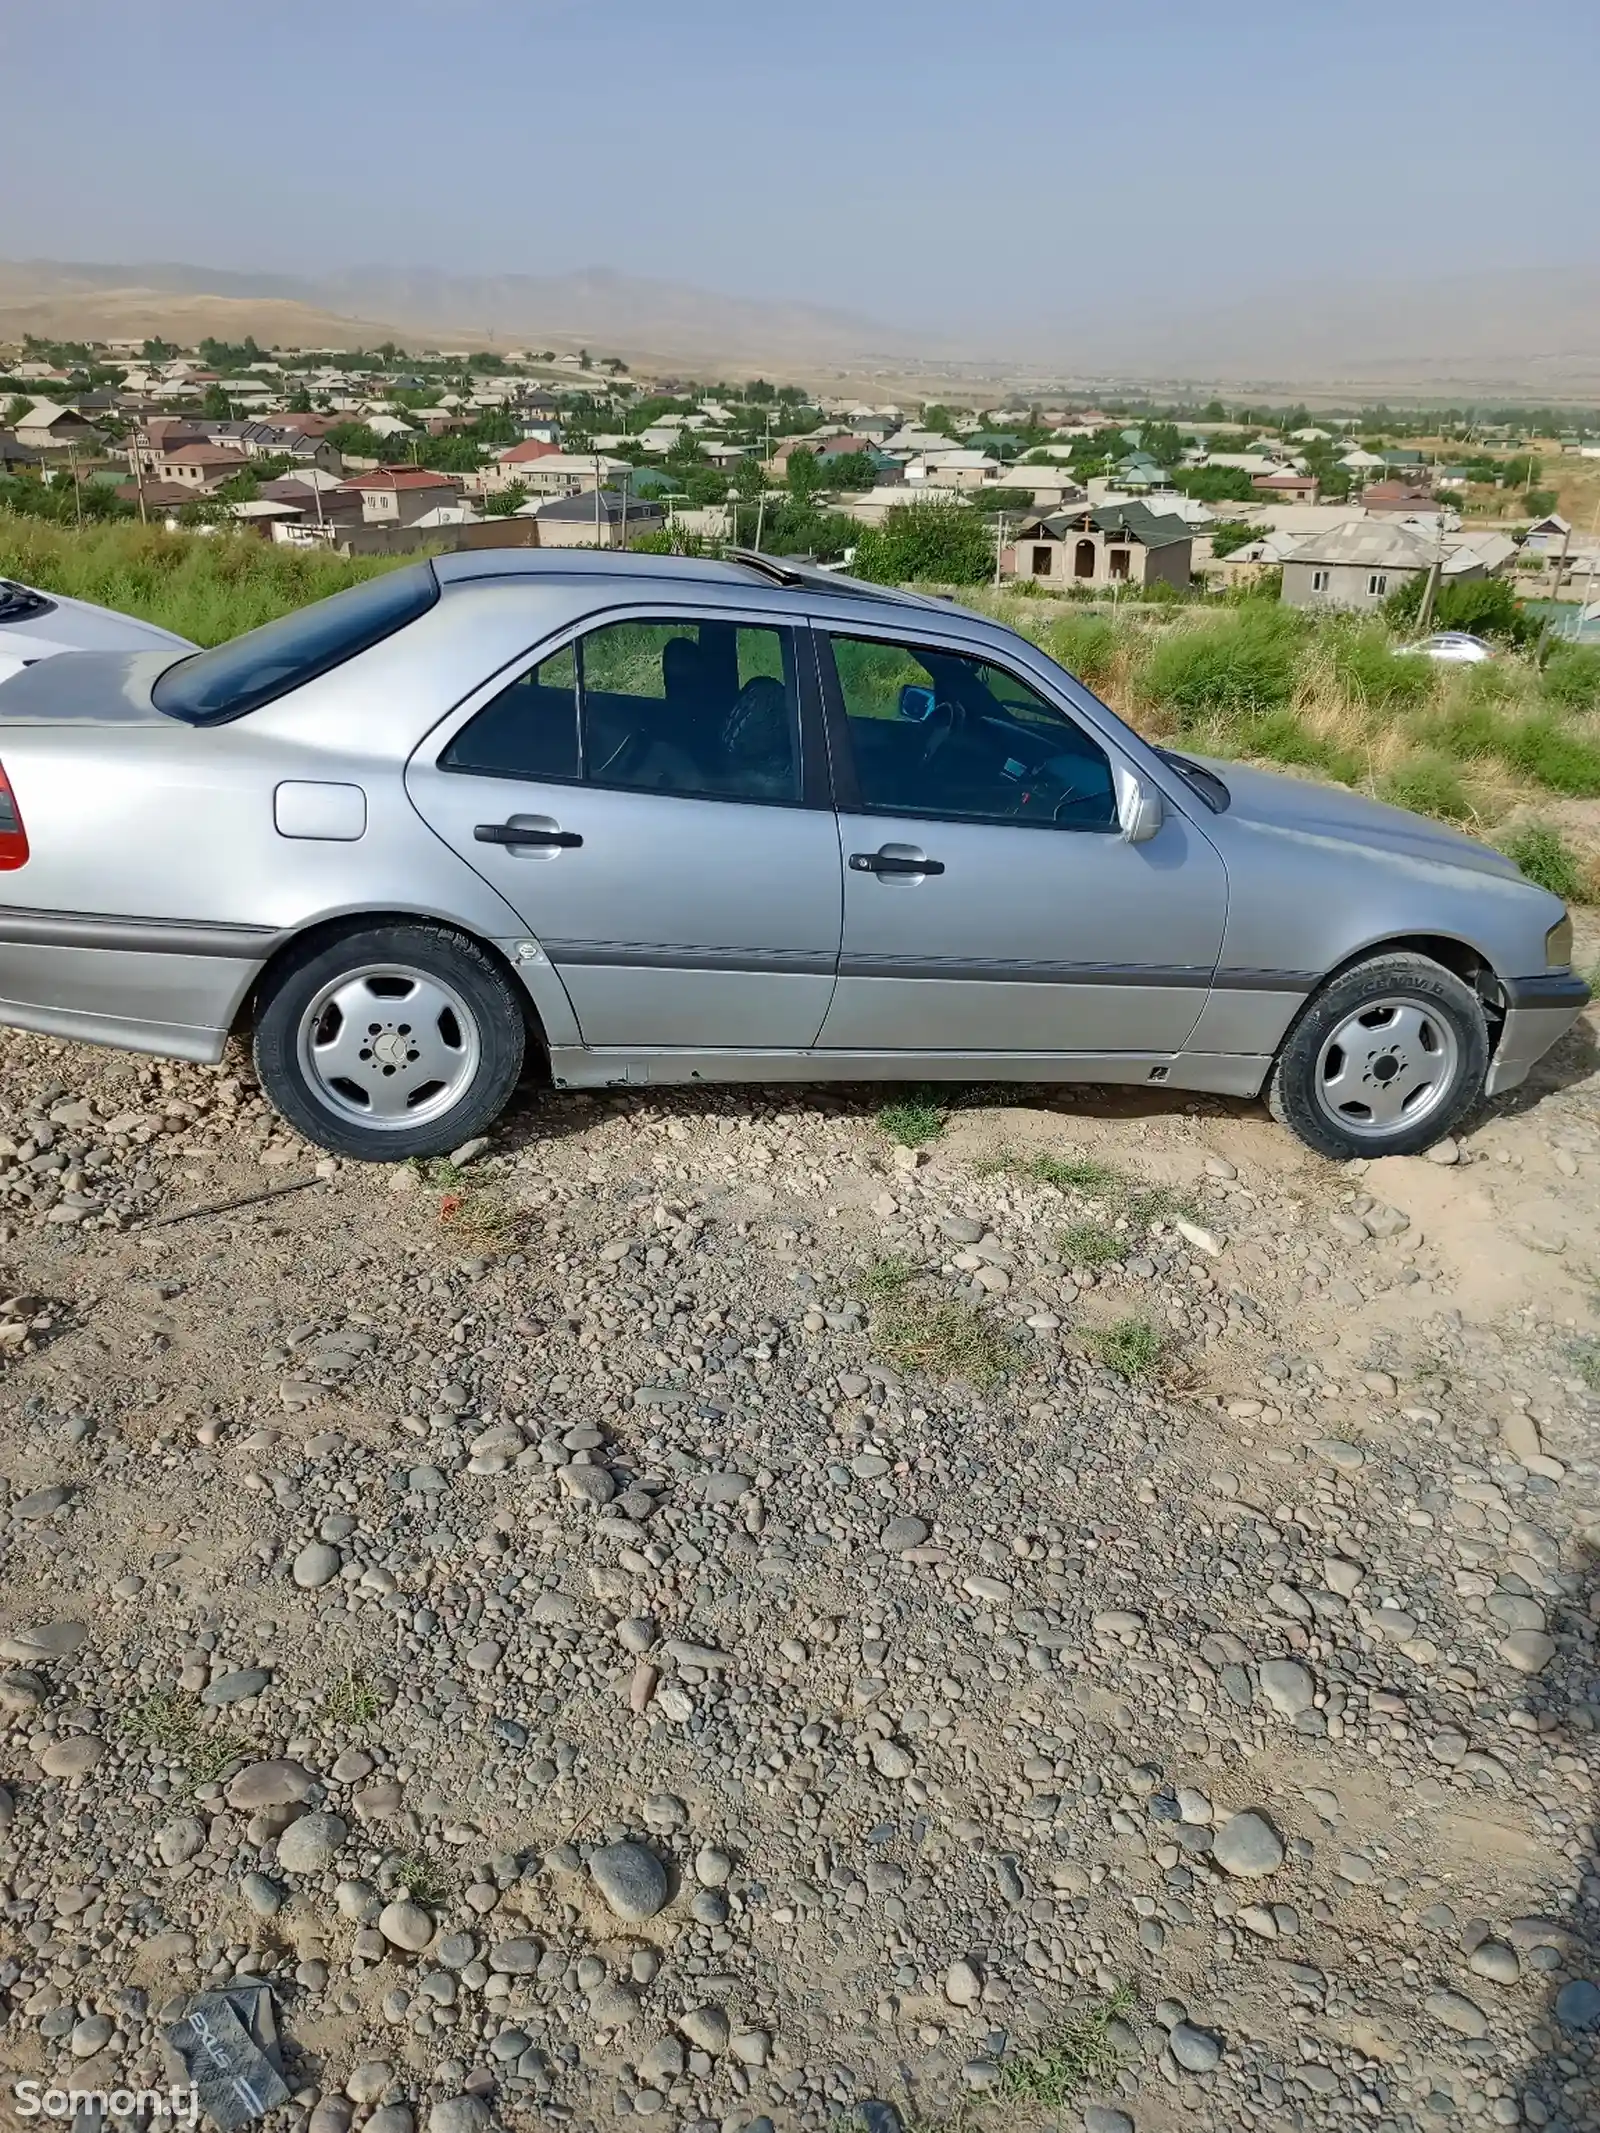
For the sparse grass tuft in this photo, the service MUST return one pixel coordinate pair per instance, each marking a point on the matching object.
(171, 1725)
(1082, 2056)
(1131, 1346)
(1074, 1173)
(422, 1878)
(352, 1701)
(1546, 859)
(937, 1336)
(1090, 1243)
(1584, 1356)
(913, 1119)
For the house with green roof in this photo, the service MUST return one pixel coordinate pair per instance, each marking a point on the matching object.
(1108, 545)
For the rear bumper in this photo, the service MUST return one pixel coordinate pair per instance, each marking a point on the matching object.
(1539, 1012)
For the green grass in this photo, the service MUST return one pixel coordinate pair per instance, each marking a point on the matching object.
(939, 1337)
(172, 1727)
(1284, 737)
(1584, 1356)
(1081, 2056)
(1428, 784)
(423, 1879)
(207, 589)
(1076, 1173)
(352, 1701)
(1086, 646)
(1546, 858)
(1131, 1347)
(912, 1119)
(1571, 678)
(1090, 1243)
(1225, 671)
(1370, 672)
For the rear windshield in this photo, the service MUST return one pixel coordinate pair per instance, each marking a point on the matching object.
(252, 670)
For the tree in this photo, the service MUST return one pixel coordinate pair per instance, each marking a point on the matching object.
(299, 401)
(945, 544)
(1539, 503)
(805, 476)
(1216, 485)
(1520, 472)
(506, 501)
(217, 405)
(156, 350)
(1233, 534)
(1162, 442)
(1486, 606)
(845, 470)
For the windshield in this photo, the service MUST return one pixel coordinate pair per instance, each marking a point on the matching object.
(253, 670)
(20, 603)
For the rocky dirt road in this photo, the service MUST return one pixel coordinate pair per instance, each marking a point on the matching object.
(705, 1613)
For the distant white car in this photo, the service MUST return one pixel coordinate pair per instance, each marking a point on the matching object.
(1456, 648)
(37, 625)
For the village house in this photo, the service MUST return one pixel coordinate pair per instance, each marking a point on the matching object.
(50, 427)
(595, 520)
(1355, 566)
(199, 468)
(399, 496)
(1116, 544)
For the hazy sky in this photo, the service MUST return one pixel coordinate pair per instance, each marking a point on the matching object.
(1019, 158)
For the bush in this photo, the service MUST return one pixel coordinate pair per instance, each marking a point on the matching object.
(945, 544)
(1228, 670)
(1543, 748)
(1086, 646)
(1428, 785)
(1370, 673)
(1283, 738)
(1571, 677)
(1235, 533)
(1546, 859)
(1486, 606)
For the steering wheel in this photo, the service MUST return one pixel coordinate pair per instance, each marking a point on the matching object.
(625, 756)
(941, 724)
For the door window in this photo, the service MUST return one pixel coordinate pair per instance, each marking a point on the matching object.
(698, 709)
(941, 734)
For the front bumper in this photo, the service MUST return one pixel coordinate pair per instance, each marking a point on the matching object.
(1539, 1011)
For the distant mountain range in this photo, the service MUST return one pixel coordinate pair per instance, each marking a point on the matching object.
(1530, 334)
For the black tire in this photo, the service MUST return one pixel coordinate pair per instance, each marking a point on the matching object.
(1455, 1035)
(480, 1037)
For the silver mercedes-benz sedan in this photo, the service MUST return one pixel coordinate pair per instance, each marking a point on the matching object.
(658, 820)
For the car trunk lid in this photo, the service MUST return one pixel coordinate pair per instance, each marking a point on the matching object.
(86, 688)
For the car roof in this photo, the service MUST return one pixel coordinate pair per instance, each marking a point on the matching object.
(743, 571)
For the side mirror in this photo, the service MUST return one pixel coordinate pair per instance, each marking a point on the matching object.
(917, 702)
(1139, 810)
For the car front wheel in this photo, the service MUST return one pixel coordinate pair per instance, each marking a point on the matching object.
(394, 1041)
(1386, 1060)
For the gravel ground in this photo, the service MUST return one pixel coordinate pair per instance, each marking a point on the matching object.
(704, 1612)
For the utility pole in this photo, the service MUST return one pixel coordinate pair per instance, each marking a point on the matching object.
(1430, 588)
(597, 541)
(138, 476)
(999, 543)
(626, 479)
(77, 486)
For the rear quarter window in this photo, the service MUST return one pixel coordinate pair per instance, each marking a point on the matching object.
(249, 671)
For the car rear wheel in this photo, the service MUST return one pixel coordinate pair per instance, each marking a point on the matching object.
(1386, 1059)
(390, 1042)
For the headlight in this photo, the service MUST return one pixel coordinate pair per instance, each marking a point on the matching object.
(1558, 944)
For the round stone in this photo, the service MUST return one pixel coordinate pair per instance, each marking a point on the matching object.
(963, 1983)
(316, 1565)
(459, 2114)
(91, 2035)
(237, 1687)
(72, 1759)
(311, 1845)
(1248, 1846)
(274, 1784)
(1493, 1959)
(632, 1880)
(1578, 2006)
(1287, 1686)
(405, 1924)
(515, 1958)
(1197, 2051)
(707, 2028)
(1528, 1651)
(44, 1642)
(180, 1839)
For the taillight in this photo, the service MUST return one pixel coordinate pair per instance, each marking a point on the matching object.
(13, 837)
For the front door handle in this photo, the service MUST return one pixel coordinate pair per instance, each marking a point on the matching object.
(894, 859)
(515, 833)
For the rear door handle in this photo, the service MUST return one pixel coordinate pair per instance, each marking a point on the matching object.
(894, 859)
(514, 833)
